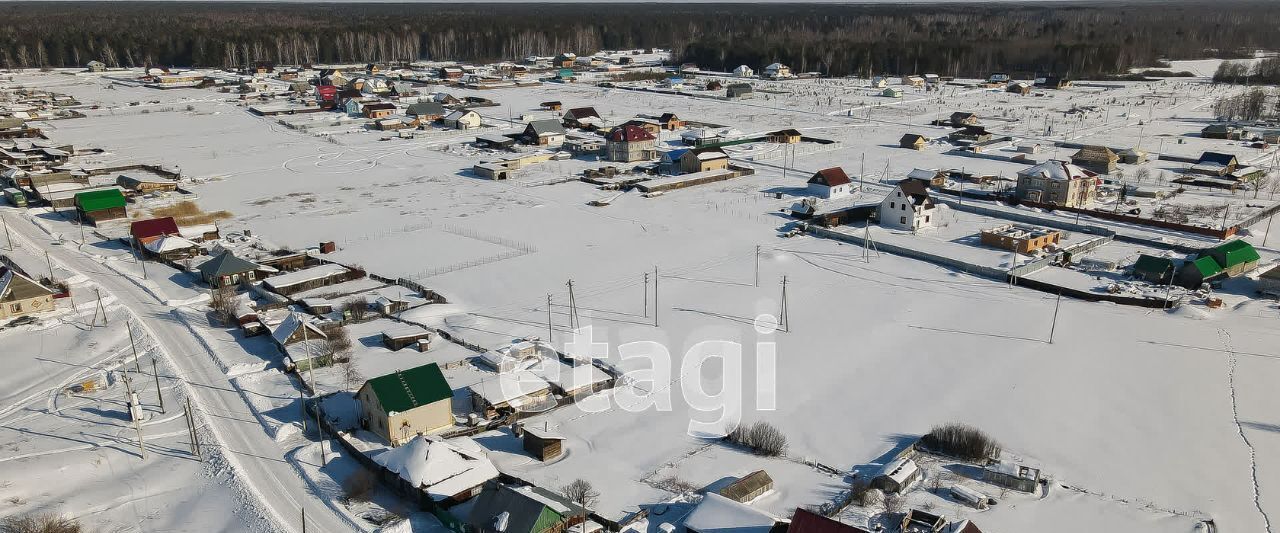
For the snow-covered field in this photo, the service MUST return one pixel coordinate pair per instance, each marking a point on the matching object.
(1159, 418)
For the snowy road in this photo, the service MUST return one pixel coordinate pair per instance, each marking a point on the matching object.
(259, 461)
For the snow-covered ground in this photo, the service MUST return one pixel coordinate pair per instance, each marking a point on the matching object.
(1162, 417)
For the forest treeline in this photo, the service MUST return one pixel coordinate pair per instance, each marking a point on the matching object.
(951, 39)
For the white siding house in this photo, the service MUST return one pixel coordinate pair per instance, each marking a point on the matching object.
(908, 207)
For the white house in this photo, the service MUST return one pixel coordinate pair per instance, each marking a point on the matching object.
(830, 183)
(743, 71)
(462, 119)
(879, 82)
(908, 207)
(777, 70)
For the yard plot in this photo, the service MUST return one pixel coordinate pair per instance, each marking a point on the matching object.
(937, 344)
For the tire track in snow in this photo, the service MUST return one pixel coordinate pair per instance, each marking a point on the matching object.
(1235, 415)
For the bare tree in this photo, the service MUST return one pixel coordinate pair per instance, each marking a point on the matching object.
(762, 438)
(40, 523)
(338, 340)
(1141, 175)
(582, 493)
(893, 503)
(351, 375)
(357, 307)
(224, 303)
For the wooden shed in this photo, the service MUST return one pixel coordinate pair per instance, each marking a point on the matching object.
(787, 136)
(748, 487)
(913, 141)
(542, 444)
(396, 338)
(1099, 159)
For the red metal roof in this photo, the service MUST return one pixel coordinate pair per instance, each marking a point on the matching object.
(142, 229)
(831, 177)
(808, 522)
(630, 133)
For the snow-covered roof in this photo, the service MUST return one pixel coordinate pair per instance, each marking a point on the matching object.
(404, 332)
(569, 377)
(289, 325)
(922, 174)
(717, 513)
(1057, 171)
(510, 386)
(167, 243)
(439, 467)
(304, 275)
(900, 470)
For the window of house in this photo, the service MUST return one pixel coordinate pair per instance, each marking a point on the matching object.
(902, 220)
(16, 308)
(926, 219)
(893, 205)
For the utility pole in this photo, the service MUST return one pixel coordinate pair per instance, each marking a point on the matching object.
(137, 367)
(191, 429)
(574, 322)
(132, 404)
(655, 296)
(302, 407)
(862, 173)
(138, 255)
(159, 393)
(7, 238)
(646, 294)
(782, 313)
(50, 262)
(80, 222)
(1054, 327)
(304, 520)
(1267, 233)
(549, 330)
(757, 265)
(98, 307)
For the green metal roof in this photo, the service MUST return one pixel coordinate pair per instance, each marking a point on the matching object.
(99, 200)
(403, 390)
(1207, 266)
(1236, 252)
(1153, 265)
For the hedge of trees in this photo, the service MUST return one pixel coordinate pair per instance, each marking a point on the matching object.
(955, 39)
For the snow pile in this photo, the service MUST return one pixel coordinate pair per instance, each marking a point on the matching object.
(439, 467)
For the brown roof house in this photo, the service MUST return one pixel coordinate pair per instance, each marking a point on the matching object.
(787, 136)
(961, 119)
(908, 207)
(829, 183)
(629, 143)
(1099, 159)
(913, 141)
(582, 117)
(22, 296)
(804, 521)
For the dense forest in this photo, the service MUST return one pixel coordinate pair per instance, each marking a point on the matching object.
(1078, 40)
